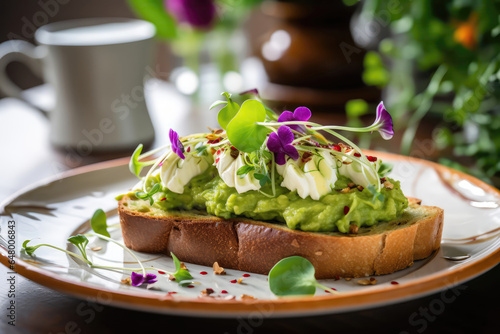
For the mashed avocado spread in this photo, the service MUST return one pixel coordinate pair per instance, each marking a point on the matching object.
(335, 211)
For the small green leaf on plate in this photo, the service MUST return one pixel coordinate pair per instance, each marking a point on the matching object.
(98, 223)
(292, 276)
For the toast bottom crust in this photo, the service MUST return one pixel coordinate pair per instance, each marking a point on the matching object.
(255, 246)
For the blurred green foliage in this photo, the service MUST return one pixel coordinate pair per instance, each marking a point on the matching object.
(442, 57)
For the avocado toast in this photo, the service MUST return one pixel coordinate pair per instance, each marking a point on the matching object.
(265, 187)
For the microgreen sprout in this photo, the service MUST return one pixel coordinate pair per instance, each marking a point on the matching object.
(98, 223)
(80, 241)
(227, 113)
(294, 276)
(31, 249)
(148, 195)
(134, 165)
(244, 130)
(181, 275)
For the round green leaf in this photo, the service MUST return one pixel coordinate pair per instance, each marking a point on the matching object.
(292, 276)
(227, 113)
(243, 131)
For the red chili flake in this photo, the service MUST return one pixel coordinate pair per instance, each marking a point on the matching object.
(246, 275)
(223, 291)
(332, 289)
(188, 149)
(357, 154)
(190, 286)
(218, 152)
(337, 278)
(394, 283)
(234, 281)
(217, 160)
(309, 126)
(161, 272)
(372, 159)
(172, 292)
(372, 279)
(382, 180)
(346, 210)
(233, 148)
(203, 273)
(164, 198)
(337, 148)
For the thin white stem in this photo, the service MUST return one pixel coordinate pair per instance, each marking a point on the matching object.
(122, 246)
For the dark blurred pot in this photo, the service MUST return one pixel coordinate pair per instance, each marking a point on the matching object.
(308, 43)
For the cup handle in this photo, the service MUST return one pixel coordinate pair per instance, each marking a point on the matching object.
(24, 52)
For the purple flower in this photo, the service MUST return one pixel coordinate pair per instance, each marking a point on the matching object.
(279, 143)
(197, 13)
(254, 92)
(383, 122)
(301, 114)
(177, 146)
(138, 279)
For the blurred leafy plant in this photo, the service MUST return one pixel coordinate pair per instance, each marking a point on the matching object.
(442, 58)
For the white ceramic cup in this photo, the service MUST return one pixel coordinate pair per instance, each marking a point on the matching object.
(97, 68)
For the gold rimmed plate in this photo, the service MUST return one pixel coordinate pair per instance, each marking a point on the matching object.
(52, 210)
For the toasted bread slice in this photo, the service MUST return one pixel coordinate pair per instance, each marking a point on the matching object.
(256, 246)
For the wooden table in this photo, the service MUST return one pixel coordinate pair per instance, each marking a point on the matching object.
(26, 157)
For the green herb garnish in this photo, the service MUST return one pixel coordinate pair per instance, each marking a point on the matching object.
(148, 195)
(243, 131)
(180, 274)
(98, 223)
(294, 276)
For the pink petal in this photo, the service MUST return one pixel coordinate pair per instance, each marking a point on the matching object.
(136, 279)
(291, 151)
(286, 116)
(285, 135)
(280, 158)
(273, 143)
(302, 114)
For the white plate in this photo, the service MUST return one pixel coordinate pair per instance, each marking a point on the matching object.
(51, 211)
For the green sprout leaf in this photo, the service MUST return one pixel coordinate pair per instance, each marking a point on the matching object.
(149, 195)
(134, 165)
(243, 131)
(376, 194)
(294, 276)
(200, 148)
(98, 223)
(385, 168)
(263, 178)
(180, 274)
(80, 241)
(243, 170)
(227, 113)
(30, 249)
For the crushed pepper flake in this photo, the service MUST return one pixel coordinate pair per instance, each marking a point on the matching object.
(247, 297)
(218, 270)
